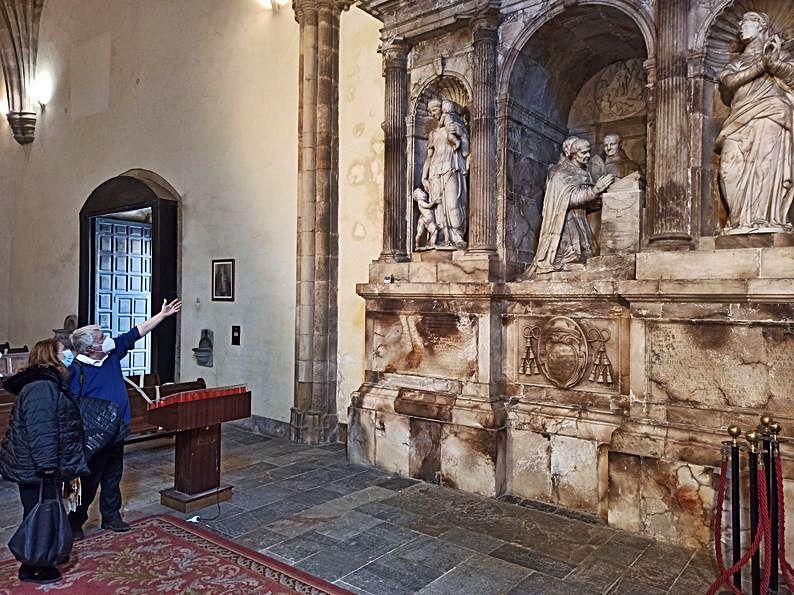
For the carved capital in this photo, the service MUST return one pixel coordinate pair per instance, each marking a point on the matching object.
(395, 52)
(19, 42)
(485, 23)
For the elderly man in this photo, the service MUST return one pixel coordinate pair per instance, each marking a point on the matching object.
(565, 236)
(96, 372)
(615, 161)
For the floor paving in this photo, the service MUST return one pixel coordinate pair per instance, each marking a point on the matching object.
(375, 533)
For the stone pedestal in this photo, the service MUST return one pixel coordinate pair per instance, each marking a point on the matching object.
(621, 218)
(754, 240)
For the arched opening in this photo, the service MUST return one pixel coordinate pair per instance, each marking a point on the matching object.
(594, 87)
(129, 263)
(451, 87)
(719, 43)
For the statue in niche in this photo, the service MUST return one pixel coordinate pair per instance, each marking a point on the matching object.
(757, 140)
(614, 161)
(444, 172)
(565, 235)
(427, 220)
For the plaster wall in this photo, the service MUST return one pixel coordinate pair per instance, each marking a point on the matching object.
(204, 93)
(361, 104)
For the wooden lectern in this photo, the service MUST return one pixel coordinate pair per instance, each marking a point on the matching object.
(196, 417)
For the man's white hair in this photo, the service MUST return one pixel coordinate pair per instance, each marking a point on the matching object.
(83, 338)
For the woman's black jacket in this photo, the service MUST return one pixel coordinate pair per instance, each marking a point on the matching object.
(45, 430)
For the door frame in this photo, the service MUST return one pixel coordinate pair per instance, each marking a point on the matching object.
(138, 189)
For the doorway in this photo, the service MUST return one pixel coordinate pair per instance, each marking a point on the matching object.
(128, 265)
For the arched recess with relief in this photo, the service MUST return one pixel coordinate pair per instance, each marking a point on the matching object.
(128, 202)
(538, 88)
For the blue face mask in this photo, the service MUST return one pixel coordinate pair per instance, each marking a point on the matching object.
(67, 357)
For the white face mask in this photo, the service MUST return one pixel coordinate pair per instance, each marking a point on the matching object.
(108, 345)
(67, 357)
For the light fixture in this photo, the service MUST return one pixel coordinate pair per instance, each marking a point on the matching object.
(4, 106)
(42, 89)
(274, 5)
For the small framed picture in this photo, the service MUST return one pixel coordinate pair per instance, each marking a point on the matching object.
(223, 280)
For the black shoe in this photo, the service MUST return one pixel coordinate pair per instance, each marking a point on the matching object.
(42, 576)
(77, 534)
(116, 525)
(26, 573)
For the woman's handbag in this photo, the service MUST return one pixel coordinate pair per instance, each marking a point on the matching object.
(44, 535)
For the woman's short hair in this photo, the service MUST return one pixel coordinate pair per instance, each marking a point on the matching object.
(83, 338)
(45, 353)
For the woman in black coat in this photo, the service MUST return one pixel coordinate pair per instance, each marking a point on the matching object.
(44, 440)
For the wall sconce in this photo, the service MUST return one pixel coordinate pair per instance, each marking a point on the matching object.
(274, 5)
(42, 89)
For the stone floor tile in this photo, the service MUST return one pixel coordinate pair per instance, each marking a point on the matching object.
(435, 553)
(332, 563)
(597, 573)
(303, 546)
(348, 525)
(659, 566)
(471, 540)
(540, 584)
(533, 560)
(392, 574)
(397, 483)
(259, 539)
(633, 586)
(388, 513)
(482, 575)
(429, 526)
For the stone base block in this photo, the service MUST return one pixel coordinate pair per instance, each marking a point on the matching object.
(313, 427)
(754, 240)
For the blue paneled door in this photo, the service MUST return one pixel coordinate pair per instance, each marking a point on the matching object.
(123, 284)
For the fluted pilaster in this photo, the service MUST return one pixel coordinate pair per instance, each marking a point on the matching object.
(671, 211)
(482, 172)
(395, 71)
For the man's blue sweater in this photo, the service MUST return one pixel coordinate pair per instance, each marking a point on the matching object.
(106, 381)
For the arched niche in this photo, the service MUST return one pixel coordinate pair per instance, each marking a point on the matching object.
(543, 79)
(145, 192)
(449, 86)
(717, 44)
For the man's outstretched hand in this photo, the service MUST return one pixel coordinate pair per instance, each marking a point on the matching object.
(172, 308)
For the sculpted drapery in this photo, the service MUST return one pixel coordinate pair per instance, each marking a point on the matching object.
(757, 139)
(445, 169)
(565, 235)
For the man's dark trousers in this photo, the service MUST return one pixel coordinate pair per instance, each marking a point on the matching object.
(107, 467)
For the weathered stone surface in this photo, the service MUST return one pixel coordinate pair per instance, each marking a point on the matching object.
(392, 441)
(574, 472)
(621, 221)
(754, 240)
(715, 264)
(529, 465)
(469, 459)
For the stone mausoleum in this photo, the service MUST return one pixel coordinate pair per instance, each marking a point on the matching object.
(577, 322)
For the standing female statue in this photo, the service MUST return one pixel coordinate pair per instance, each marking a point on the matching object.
(444, 171)
(756, 141)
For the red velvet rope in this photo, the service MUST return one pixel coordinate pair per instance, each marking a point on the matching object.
(785, 567)
(721, 489)
(764, 532)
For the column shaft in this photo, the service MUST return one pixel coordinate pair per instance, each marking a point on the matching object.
(395, 228)
(483, 170)
(671, 212)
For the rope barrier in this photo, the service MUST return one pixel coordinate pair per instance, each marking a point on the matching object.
(763, 533)
(785, 567)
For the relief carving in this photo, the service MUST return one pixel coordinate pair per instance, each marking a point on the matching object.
(620, 90)
(563, 351)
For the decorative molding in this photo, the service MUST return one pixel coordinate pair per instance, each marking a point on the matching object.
(19, 42)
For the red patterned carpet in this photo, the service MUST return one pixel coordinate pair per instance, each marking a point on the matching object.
(165, 555)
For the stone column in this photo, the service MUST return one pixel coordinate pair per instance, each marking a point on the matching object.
(671, 212)
(395, 228)
(483, 170)
(19, 42)
(314, 418)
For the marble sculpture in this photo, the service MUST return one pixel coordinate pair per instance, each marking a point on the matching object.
(444, 172)
(565, 235)
(756, 142)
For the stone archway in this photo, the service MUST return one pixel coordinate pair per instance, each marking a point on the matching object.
(539, 91)
(137, 189)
